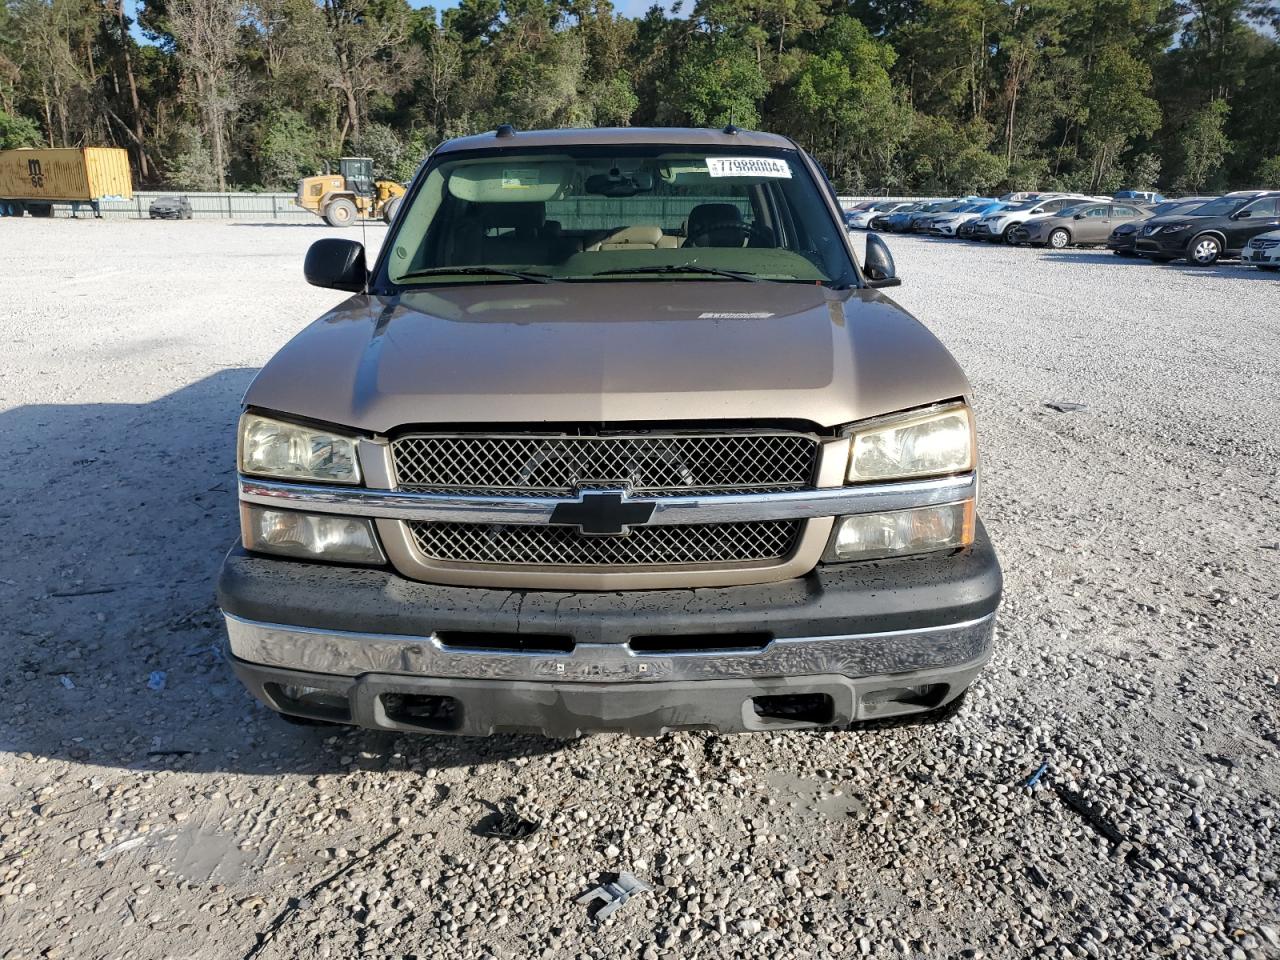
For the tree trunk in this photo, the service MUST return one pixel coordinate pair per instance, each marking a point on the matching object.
(138, 133)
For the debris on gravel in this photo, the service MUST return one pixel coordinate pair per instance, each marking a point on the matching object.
(1136, 668)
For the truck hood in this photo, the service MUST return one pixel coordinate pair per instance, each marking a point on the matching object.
(608, 352)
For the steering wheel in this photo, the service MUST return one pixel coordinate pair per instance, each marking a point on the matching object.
(747, 231)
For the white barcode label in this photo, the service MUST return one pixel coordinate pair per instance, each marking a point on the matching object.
(748, 167)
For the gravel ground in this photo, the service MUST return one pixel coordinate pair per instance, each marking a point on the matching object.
(149, 808)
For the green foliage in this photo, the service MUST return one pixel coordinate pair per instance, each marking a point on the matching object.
(1205, 145)
(192, 166)
(717, 81)
(1144, 172)
(1268, 174)
(17, 132)
(930, 96)
(290, 150)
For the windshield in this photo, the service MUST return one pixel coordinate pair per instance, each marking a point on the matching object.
(619, 213)
(1219, 208)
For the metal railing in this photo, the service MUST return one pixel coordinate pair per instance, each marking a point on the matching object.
(204, 206)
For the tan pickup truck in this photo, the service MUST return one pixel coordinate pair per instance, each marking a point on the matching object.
(615, 433)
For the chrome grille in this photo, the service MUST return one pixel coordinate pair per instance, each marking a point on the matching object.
(520, 544)
(642, 464)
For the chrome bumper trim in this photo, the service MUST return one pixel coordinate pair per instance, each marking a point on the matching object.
(725, 508)
(348, 654)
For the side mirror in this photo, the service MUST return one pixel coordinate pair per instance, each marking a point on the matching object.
(1241, 214)
(336, 264)
(878, 264)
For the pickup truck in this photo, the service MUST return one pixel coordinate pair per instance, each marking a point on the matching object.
(615, 433)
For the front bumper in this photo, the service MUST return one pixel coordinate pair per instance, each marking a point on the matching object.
(1261, 256)
(1159, 246)
(843, 643)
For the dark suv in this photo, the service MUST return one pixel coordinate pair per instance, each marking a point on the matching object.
(1124, 237)
(1218, 229)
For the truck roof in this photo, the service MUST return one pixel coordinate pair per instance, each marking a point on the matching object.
(505, 138)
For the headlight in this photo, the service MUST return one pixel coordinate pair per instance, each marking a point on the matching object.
(311, 536)
(1174, 227)
(272, 448)
(919, 444)
(874, 536)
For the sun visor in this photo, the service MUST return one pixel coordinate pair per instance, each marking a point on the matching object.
(509, 182)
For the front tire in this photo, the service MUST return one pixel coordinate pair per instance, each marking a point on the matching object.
(1060, 239)
(1007, 236)
(1269, 267)
(1204, 250)
(340, 213)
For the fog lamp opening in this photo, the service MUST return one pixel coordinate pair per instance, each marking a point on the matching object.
(309, 536)
(896, 533)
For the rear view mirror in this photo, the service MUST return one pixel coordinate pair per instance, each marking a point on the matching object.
(877, 264)
(336, 264)
(615, 183)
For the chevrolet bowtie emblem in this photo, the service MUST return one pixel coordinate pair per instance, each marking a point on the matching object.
(602, 513)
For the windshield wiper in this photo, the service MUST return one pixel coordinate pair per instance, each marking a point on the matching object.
(681, 268)
(477, 271)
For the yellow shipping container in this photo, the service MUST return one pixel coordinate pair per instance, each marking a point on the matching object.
(70, 173)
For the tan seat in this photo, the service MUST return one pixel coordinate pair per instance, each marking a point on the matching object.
(634, 238)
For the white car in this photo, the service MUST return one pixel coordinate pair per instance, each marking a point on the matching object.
(1263, 251)
(998, 226)
(861, 219)
(946, 225)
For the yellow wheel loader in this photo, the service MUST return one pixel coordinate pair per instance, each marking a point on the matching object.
(350, 194)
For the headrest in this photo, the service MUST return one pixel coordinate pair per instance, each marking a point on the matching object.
(705, 216)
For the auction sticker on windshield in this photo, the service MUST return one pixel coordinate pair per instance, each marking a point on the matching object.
(748, 167)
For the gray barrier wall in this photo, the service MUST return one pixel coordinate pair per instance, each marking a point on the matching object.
(255, 206)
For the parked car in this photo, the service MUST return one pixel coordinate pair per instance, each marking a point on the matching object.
(170, 208)
(1210, 232)
(999, 226)
(1142, 196)
(880, 221)
(920, 222)
(1263, 251)
(1086, 223)
(1124, 236)
(953, 224)
(850, 212)
(900, 221)
(861, 220)
(721, 403)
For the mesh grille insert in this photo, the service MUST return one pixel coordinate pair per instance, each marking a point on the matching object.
(560, 465)
(644, 546)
